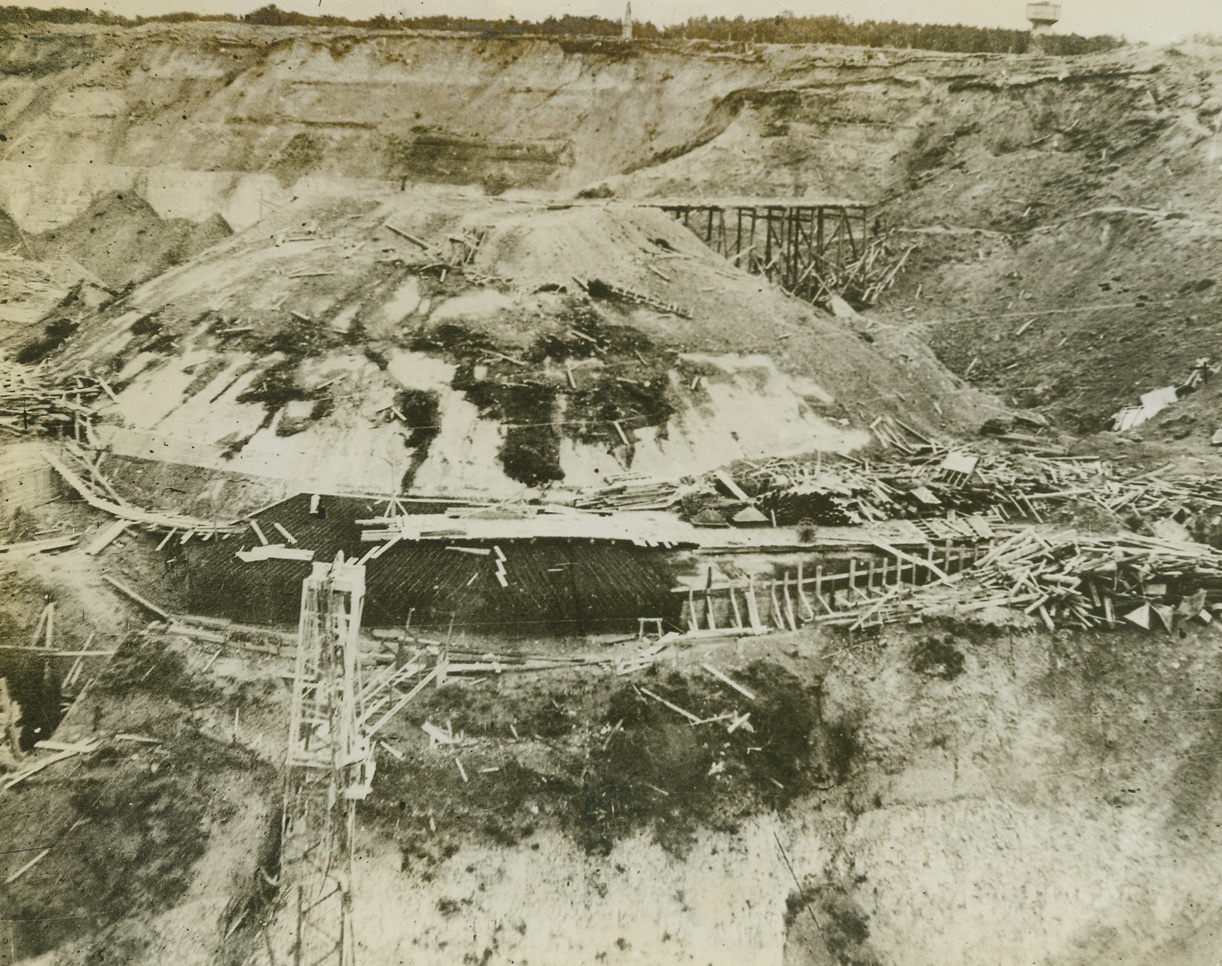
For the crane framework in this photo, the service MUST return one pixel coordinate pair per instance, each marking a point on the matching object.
(334, 715)
(330, 765)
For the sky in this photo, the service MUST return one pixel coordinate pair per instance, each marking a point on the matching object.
(1153, 21)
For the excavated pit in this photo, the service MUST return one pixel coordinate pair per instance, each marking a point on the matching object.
(329, 267)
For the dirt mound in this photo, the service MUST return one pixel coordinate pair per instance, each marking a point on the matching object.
(122, 240)
(477, 346)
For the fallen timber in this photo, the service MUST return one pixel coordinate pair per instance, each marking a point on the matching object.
(149, 518)
(1065, 577)
(39, 399)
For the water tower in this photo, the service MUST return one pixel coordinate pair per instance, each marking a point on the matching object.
(1042, 17)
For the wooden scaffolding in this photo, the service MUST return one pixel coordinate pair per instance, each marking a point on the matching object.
(796, 245)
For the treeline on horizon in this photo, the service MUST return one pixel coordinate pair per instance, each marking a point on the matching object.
(950, 38)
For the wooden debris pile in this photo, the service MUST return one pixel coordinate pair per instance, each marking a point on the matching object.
(1065, 577)
(73, 465)
(1150, 498)
(864, 279)
(1093, 580)
(458, 254)
(1156, 400)
(40, 400)
(630, 492)
(597, 288)
(938, 484)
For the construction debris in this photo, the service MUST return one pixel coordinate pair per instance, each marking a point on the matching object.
(274, 551)
(107, 537)
(132, 595)
(34, 767)
(1062, 576)
(726, 680)
(1156, 400)
(162, 521)
(40, 399)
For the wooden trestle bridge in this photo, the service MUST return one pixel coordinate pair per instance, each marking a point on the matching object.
(796, 244)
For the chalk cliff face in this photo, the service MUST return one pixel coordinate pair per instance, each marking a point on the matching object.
(204, 119)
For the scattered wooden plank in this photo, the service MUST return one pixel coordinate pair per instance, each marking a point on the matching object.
(437, 736)
(278, 551)
(107, 537)
(507, 358)
(106, 389)
(77, 748)
(740, 722)
(724, 679)
(45, 653)
(139, 738)
(462, 771)
(284, 533)
(694, 719)
(198, 633)
(41, 546)
(419, 242)
(26, 868)
(35, 768)
(727, 481)
(131, 594)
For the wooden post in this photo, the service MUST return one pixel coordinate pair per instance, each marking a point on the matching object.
(789, 614)
(753, 614)
(738, 617)
(777, 615)
(808, 610)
